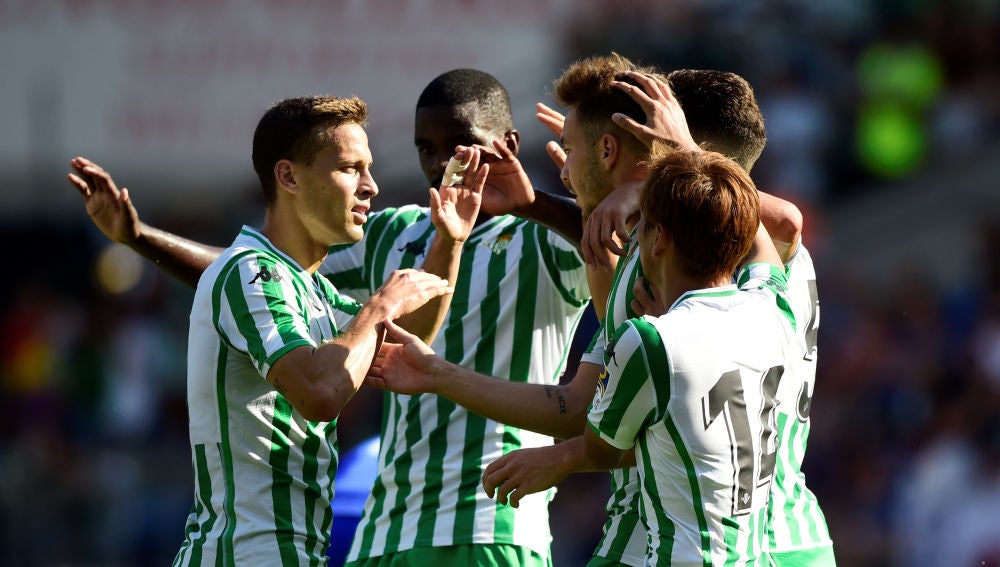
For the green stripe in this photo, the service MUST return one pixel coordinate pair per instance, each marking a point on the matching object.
(281, 480)
(203, 501)
(551, 263)
(350, 279)
(731, 532)
(692, 474)
(626, 389)
(390, 401)
(313, 491)
(403, 464)
(656, 361)
(475, 424)
(434, 472)
(664, 525)
(375, 233)
(409, 259)
(377, 254)
(524, 311)
(625, 527)
(226, 556)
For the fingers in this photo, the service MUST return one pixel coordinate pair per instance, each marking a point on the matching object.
(550, 118)
(621, 229)
(80, 184)
(645, 300)
(480, 181)
(632, 127)
(503, 151)
(435, 199)
(556, 154)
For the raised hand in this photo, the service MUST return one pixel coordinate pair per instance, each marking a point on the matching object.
(109, 208)
(407, 290)
(405, 367)
(553, 120)
(665, 120)
(454, 208)
(508, 189)
(608, 225)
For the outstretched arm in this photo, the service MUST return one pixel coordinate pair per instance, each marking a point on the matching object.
(411, 367)
(113, 213)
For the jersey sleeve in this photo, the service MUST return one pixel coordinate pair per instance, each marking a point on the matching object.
(770, 280)
(565, 266)
(594, 352)
(626, 397)
(263, 318)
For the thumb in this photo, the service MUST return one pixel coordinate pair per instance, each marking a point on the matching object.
(625, 122)
(397, 332)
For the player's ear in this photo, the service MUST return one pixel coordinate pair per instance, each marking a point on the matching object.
(512, 139)
(662, 241)
(609, 148)
(284, 176)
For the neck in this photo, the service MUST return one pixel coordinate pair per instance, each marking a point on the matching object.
(288, 235)
(672, 284)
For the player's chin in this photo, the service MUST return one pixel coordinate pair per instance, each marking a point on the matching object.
(355, 232)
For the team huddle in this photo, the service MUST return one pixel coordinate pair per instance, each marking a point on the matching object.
(694, 394)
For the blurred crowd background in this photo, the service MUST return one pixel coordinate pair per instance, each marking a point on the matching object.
(883, 126)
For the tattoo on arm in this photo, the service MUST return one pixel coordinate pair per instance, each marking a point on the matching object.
(549, 390)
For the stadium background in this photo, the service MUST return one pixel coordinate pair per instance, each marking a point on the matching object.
(884, 127)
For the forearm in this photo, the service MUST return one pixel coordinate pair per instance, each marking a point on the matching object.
(763, 250)
(558, 214)
(783, 221)
(550, 410)
(182, 258)
(443, 259)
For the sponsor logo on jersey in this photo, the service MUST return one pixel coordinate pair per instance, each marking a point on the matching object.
(265, 275)
(414, 248)
(500, 244)
(609, 350)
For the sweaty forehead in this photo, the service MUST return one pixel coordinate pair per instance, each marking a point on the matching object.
(461, 122)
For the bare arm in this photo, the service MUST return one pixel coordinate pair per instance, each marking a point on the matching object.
(113, 213)
(319, 381)
(599, 453)
(453, 212)
(411, 367)
(783, 221)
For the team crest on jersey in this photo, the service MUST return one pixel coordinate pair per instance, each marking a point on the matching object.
(602, 385)
(414, 248)
(265, 275)
(500, 244)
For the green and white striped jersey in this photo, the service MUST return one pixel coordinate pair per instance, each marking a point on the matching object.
(263, 475)
(694, 392)
(796, 521)
(520, 294)
(624, 534)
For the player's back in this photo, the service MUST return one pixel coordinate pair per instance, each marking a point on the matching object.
(707, 460)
